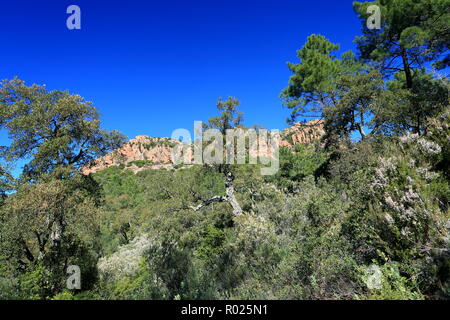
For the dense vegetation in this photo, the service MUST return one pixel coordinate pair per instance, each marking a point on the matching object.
(361, 214)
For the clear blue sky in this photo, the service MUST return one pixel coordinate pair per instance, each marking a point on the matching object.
(153, 66)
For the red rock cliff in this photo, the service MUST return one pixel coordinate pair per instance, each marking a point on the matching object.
(147, 152)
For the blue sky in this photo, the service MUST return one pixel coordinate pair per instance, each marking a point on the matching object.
(153, 66)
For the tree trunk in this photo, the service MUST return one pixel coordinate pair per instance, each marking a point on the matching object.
(229, 187)
(407, 69)
(361, 132)
(229, 197)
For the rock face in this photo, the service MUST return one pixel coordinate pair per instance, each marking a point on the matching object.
(144, 152)
(303, 133)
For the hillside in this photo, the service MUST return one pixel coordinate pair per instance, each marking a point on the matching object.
(354, 206)
(144, 152)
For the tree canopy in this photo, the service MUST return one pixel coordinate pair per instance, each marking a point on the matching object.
(51, 129)
(412, 33)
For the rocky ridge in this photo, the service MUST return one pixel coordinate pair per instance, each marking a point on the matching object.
(144, 152)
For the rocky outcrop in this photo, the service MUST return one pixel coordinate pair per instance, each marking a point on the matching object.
(303, 133)
(144, 152)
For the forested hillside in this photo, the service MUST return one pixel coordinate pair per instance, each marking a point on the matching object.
(359, 211)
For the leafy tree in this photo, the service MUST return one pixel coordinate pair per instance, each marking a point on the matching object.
(229, 118)
(46, 225)
(6, 182)
(413, 32)
(48, 221)
(50, 129)
(362, 99)
(347, 93)
(312, 87)
(410, 109)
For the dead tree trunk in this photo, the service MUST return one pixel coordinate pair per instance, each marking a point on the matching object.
(229, 197)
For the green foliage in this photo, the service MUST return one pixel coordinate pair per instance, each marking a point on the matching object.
(314, 230)
(211, 246)
(312, 87)
(296, 164)
(65, 295)
(53, 129)
(395, 286)
(439, 132)
(411, 108)
(229, 117)
(140, 163)
(49, 221)
(6, 183)
(9, 289)
(412, 33)
(34, 284)
(362, 95)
